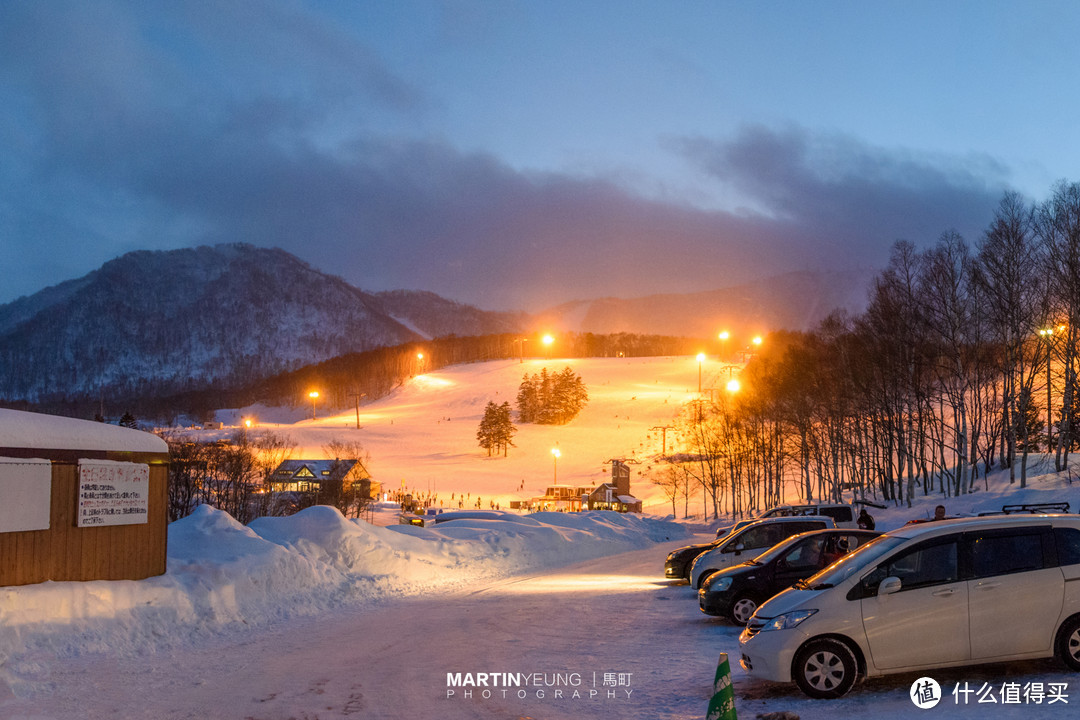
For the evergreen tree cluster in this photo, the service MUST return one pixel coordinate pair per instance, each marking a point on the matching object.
(496, 428)
(551, 398)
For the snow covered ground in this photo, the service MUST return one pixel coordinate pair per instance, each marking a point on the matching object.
(317, 616)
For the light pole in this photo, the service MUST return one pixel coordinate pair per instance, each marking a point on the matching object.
(521, 349)
(555, 465)
(700, 359)
(314, 395)
(420, 359)
(755, 343)
(724, 335)
(547, 340)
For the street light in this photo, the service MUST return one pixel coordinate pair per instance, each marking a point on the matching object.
(733, 385)
(521, 348)
(555, 465)
(547, 340)
(724, 335)
(1048, 335)
(420, 359)
(314, 395)
(700, 359)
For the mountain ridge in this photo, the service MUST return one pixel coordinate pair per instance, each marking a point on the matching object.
(169, 321)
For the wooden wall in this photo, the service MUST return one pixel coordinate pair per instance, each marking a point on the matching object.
(67, 552)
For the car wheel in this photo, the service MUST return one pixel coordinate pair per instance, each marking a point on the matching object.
(742, 609)
(702, 576)
(825, 668)
(1069, 643)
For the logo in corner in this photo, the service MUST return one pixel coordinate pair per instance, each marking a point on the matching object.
(925, 693)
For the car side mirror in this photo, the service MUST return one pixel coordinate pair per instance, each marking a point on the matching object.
(739, 548)
(889, 586)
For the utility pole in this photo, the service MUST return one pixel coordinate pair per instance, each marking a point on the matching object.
(358, 395)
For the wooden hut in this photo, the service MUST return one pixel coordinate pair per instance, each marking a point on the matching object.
(80, 500)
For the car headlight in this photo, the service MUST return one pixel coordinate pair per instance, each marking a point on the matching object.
(718, 585)
(787, 620)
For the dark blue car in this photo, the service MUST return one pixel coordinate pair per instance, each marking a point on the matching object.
(737, 591)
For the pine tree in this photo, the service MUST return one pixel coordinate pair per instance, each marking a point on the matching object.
(496, 428)
(504, 427)
(486, 434)
(551, 398)
(528, 399)
(128, 420)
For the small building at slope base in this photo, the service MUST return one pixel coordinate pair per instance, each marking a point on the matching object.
(613, 495)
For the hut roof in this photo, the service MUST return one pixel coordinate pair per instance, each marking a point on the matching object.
(20, 429)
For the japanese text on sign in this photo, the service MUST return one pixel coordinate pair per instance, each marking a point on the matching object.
(112, 493)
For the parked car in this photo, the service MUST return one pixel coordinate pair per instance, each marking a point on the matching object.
(842, 515)
(678, 562)
(941, 594)
(751, 541)
(725, 530)
(737, 591)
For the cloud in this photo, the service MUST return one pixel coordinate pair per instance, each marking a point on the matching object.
(128, 129)
(841, 193)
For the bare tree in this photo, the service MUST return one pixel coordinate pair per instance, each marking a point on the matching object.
(1013, 293)
(348, 486)
(1057, 227)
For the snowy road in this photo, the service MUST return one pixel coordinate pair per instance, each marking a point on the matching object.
(568, 631)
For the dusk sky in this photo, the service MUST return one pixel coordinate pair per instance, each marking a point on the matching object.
(515, 155)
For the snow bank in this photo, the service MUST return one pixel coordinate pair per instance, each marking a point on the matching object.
(222, 575)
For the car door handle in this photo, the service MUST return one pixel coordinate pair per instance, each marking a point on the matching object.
(944, 593)
(988, 586)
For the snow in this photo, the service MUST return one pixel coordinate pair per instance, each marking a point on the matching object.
(20, 429)
(316, 615)
(222, 575)
(410, 325)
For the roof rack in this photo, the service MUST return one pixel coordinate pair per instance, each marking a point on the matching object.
(1047, 507)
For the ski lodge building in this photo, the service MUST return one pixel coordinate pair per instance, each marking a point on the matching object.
(612, 495)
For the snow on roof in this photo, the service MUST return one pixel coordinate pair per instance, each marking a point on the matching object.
(628, 499)
(318, 468)
(20, 429)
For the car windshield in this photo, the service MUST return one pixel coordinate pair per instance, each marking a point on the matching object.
(851, 563)
(776, 551)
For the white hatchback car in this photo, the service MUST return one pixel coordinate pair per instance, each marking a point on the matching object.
(939, 594)
(751, 541)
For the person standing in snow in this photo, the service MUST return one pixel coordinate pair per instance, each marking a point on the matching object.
(865, 520)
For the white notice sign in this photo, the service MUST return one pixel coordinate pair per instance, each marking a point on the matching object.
(25, 494)
(113, 493)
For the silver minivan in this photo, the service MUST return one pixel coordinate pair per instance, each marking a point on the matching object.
(939, 594)
(752, 540)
